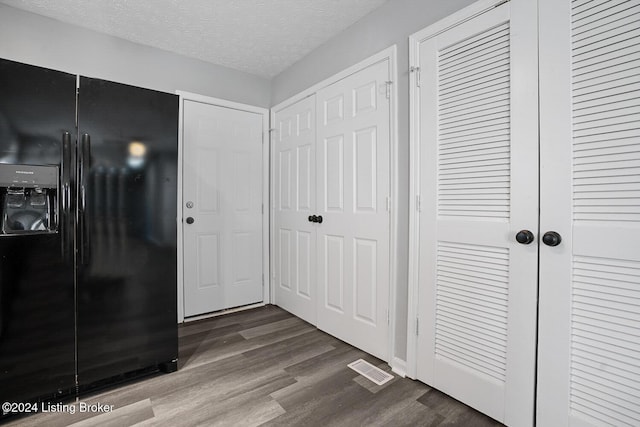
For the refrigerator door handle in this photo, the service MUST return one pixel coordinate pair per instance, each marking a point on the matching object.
(84, 165)
(65, 217)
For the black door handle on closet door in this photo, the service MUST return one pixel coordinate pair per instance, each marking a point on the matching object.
(315, 218)
(525, 237)
(190, 220)
(551, 238)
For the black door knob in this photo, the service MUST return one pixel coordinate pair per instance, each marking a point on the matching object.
(190, 220)
(525, 237)
(313, 218)
(319, 219)
(551, 238)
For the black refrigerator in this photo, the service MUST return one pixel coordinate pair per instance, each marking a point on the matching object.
(88, 190)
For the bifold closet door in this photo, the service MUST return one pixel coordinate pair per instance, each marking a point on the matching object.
(331, 220)
(478, 188)
(352, 158)
(294, 186)
(589, 331)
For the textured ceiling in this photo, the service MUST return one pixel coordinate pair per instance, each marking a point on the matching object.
(261, 37)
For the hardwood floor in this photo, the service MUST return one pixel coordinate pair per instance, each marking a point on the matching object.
(266, 367)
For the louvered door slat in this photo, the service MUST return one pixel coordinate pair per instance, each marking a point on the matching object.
(460, 127)
(617, 368)
(497, 75)
(604, 26)
(474, 286)
(471, 104)
(470, 47)
(469, 324)
(601, 71)
(593, 322)
(471, 112)
(599, 10)
(619, 109)
(621, 154)
(489, 57)
(473, 93)
(620, 37)
(604, 59)
(477, 74)
(472, 146)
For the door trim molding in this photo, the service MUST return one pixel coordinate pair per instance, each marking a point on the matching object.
(188, 96)
(415, 40)
(388, 54)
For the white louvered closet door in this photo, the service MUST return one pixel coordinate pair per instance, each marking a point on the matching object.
(589, 345)
(478, 187)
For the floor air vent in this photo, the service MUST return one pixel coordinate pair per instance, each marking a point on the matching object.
(369, 371)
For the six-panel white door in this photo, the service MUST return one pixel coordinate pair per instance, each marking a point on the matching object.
(331, 160)
(352, 165)
(478, 187)
(222, 194)
(294, 187)
(589, 329)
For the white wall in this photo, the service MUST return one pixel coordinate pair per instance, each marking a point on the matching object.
(390, 24)
(33, 39)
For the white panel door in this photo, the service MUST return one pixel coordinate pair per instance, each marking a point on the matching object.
(222, 194)
(589, 345)
(294, 187)
(353, 190)
(478, 188)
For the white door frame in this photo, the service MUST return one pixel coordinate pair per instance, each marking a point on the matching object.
(389, 54)
(415, 40)
(187, 96)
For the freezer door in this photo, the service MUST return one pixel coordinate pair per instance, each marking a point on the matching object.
(37, 358)
(127, 175)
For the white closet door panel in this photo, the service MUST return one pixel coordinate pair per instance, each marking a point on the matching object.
(589, 369)
(478, 188)
(294, 186)
(353, 188)
(223, 182)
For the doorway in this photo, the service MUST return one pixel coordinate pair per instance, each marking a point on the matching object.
(224, 190)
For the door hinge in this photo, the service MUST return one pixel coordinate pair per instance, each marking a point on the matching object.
(417, 71)
(417, 326)
(418, 207)
(388, 204)
(387, 316)
(388, 93)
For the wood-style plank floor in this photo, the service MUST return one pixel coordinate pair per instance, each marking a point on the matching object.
(265, 367)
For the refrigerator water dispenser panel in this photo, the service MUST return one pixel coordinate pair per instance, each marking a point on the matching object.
(29, 199)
